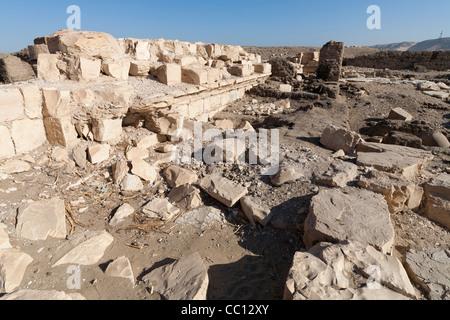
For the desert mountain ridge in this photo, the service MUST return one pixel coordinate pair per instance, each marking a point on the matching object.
(427, 45)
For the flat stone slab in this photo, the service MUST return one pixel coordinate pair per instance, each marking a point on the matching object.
(338, 174)
(160, 209)
(223, 190)
(42, 295)
(42, 219)
(347, 271)
(409, 162)
(185, 279)
(360, 215)
(430, 270)
(13, 264)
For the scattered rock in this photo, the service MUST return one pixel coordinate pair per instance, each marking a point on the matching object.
(160, 209)
(338, 175)
(185, 279)
(131, 183)
(203, 218)
(98, 153)
(177, 176)
(286, 175)
(400, 114)
(254, 212)
(120, 268)
(185, 196)
(336, 139)
(123, 212)
(223, 190)
(13, 264)
(42, 295)
(119, 171)
(144, 170)
(15, 166)
(437, 199)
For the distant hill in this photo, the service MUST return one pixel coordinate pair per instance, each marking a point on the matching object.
(427, 45)
(400, 46)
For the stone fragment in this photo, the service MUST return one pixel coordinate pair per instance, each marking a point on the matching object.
(224, 124)
(177, 176)
(185, 196)
(335, 138)
(437, 199)
(285, 88)
(431, 270)
(4, 239)
(347, 271)
(11, 105)
(83, 249)
(79, 155)
(169, 74)
(57, 103)
(360, 215)
(406, 161)
(98, 153)
(106, 130)
(338, 175)
(264, 68)
(400, 114)
(132, 183)
(185, 279)
(223, 190)
(28, 135)
(254, 212)
(119, 171)
(399, 192)
(160, 209)
(42, 295)
(47, 69)
(144, 170)
(13, 264)
(6, 144)
(120, 268)
(42, 219)
(123, 212)
(403, 139)
(13, 69)
(435, 139)
(137, 153)
(140, 68)
(15, 166)
(147, 141)
(119, 69)
(241, 70)
(286, 175)
(61, 132)
(36, 50)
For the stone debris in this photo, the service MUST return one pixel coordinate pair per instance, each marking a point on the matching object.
(286, 175)
(437, 199)
(131, 183)
(339, 174)
(4, 239)
(41, 295)
(223, 190)
(347, 271)
(160, 209)
(400, 114)
(99, 153)
(336, 139)
(144, 170)
(203, 218)
(176, 176)
(42, 219)
(359, 215)
(119, 171)
(254, 212)
(83, 249)
(185, 279)
(13, 264)
(120, 268)
(123, 212)
(431, 271)
(185, 196)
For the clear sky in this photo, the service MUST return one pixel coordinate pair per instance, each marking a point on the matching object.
(235, 22)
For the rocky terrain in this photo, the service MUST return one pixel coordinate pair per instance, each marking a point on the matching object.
(102, 208)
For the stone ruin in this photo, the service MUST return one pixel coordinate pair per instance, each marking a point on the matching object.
(89, 84)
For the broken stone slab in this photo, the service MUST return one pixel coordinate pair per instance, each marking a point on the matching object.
(120, 268)
(144, 170)
(148, 141)
(409, 162)
(83, 249)
(400, 114)
(79, 154)
(430, 270)
(347, 271)
(194, 75)
(403, 139)
(4, 239)
(119, 69)
(13, 264)
(15, 166)
(11, 105)
(47, 69)
(28, 134)
(119, 170)
(160, 209)
(42, 219)
(254, 212)
(99, 153)
(286, 175)
(123, 212)
(399, 192)
(224, 124)
(14, 69)
(437, 94)
(177, 176)
(61, 131)
(140, 68)
(223, 190)
(359, 215)
(203, 218)
(336, 138)
(131, 183)
(185, 196)
(339, 174)
(184, 280)
(41, 295)
(437, 199)
(106, 130)
(137, 154)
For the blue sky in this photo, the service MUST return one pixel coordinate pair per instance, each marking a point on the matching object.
(243, 22)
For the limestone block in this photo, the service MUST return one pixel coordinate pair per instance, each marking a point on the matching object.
(223, 190)
(61, 131)
(400, 114)
(105, 130)
(437, 197)
(36, 50)
(32, 96)
(160, 209)
(89, 69)
(28, 135)
(169, 74)
(144, 170)
(57, 103)
(11, 105)
(120, 268)
(197, 76)
(176, 176)
(264, 68)
(13, 69)
(47, 69)
(185, 196)
(185, 61)
(123, 212)
(13, 264)
(6, 144)
(241, 70)
(118, 69)
(131, 183)
(335, 138)
(99, 153)
(140, 68)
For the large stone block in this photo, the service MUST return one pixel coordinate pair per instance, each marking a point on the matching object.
(335, 138)
(223, 190)
(57, 102)
(106, 130)
(32, 96)
(36, 50)
(264, 68)
(197, 76)
(13, 264)
(6, 145)
(11, 105)
(169, 74)
(437, 199)
(89, 69)
(61, 131)
(28, 135)
(140, 68)
(241, 70)
(119, 69)
(13, 69)
(47, 69)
